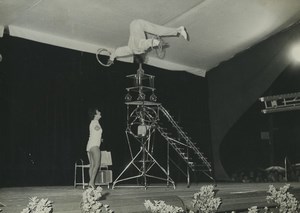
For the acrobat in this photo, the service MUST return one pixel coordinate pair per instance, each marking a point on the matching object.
(138, 42)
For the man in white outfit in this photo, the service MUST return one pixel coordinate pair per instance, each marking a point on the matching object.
(138, 42)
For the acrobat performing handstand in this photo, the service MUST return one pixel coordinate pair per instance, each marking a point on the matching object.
(138, 42)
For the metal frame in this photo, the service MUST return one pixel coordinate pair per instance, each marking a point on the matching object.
(184, 147)
(280, 103)
(143, 160)
(144, 111)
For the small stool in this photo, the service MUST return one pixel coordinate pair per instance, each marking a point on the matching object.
(81, 166)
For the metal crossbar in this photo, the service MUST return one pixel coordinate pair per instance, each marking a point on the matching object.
(280, 103)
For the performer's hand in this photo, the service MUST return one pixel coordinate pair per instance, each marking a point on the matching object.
(109, 62)
(97, 128)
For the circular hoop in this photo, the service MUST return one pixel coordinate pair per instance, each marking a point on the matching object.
(142, 116)
(101, 50)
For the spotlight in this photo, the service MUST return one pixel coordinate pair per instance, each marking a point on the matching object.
(296, 53)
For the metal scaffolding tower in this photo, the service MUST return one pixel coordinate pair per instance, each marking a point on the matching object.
(144, 120)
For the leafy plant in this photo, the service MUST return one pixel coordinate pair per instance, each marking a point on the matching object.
(285, 202)
(36, 205)
(90, 202)
(203, 201)
(160, 206)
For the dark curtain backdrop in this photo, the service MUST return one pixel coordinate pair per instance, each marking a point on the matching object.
(257, 141)
(45, 92)
(236, 85)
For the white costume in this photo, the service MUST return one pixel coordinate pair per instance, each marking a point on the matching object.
(138, 43)
(95, 135)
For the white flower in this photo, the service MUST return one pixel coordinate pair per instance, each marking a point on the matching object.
(285, 201)
(36, 205)
(253, 209)
(159, 206)
(90, 202)
(205, 200)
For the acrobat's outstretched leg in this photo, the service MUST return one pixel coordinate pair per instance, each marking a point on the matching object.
(138, 41)
(138, 28)
(139, 44)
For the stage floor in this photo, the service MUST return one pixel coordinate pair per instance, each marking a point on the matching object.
(235, 196)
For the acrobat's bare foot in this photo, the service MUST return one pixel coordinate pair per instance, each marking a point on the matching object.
(91, 185)
(183, 32)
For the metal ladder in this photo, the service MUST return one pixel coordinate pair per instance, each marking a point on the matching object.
(186, 149)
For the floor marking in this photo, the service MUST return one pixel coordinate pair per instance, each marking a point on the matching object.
(243, 192)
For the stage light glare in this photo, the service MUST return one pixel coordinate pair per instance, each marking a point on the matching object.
(296, 53)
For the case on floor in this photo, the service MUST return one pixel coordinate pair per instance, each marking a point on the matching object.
(104, 177)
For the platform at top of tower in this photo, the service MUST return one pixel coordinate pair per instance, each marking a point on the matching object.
(140, 89)
(146, 103)
(144, 80)
(142, 76)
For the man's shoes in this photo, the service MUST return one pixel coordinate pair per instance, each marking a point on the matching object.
(183, 32)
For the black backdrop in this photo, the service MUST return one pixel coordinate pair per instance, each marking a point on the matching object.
(234, 89)
(45, 94)
(244, 149)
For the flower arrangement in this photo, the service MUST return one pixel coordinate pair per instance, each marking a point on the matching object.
(255, 209)
(203, 201)
(252, 209)
(36, 205)
(160, 206)
(90, 202)
(285, 202)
